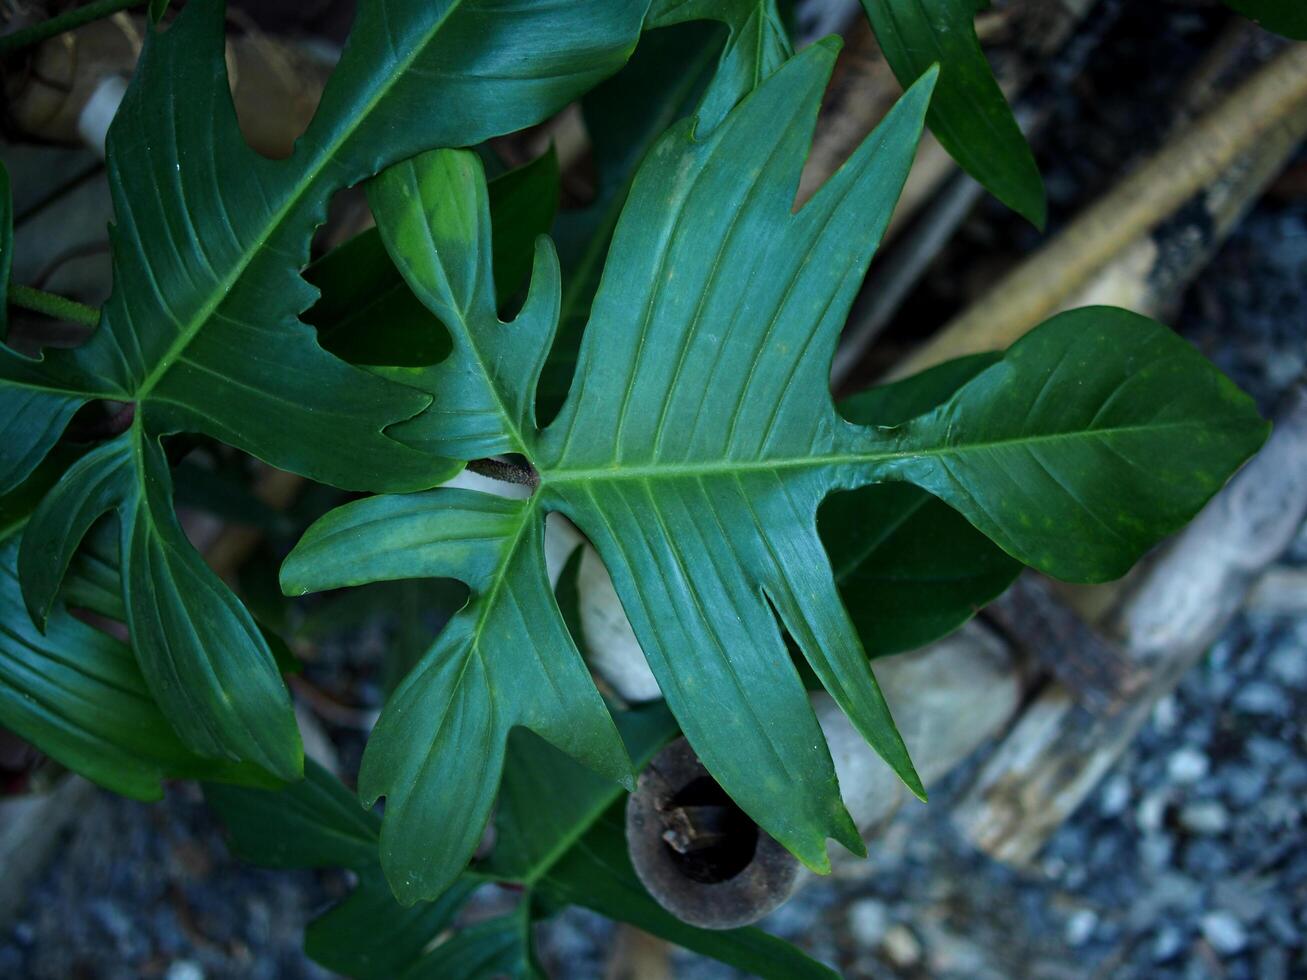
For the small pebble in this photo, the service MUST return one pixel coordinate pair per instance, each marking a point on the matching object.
(1166, 715)
(185, 970)
(1151, 811)
(1205, 817)
(1288, 665)
(901, 946)
(1187, 765)
(1115, 797)
(868, 922)
(1080, 927)
(1156, 851)
(1260, 698)
(1244, 784)
(1168, 944)
(1266, 752)
(1224, 933)
(1273, 964)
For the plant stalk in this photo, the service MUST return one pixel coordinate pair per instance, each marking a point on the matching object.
(72, 19)
(505, 471)
(49, 304)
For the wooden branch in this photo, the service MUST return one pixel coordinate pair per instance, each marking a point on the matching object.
(1261, 117)
(1164, 622)
(1094, 670)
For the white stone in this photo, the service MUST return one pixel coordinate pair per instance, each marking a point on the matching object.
(1224, 933)
(1187, 765)
(1080, 927)
(868, 922)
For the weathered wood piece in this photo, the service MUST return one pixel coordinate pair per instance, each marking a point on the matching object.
(1092, 668)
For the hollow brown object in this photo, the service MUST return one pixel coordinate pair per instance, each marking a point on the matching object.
(698, 853)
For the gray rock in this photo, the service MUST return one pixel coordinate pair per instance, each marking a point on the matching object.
(1224, 933)
(1205, 817)
(1156, 850)
(1269, 753)
(1288, 664)
(1279, 923)
(1167, 944)
(184, 970)
(1261, 698)
(868, 922)
(1166, 715)
(1151, 811)
(1273, 963)
(902, 946)
(1115, 796)
(1187, 765)
(1243, 784)
(1080, 927)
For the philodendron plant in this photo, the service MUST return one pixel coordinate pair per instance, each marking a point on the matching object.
(663, 382)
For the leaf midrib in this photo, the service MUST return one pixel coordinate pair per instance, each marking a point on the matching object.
(617, 471)
(314, 169)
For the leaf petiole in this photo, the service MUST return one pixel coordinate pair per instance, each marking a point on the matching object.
(52, 305)
(70, 20)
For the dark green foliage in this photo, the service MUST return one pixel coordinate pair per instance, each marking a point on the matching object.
(665, 376)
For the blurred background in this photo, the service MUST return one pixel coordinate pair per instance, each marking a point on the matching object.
(1135, 805)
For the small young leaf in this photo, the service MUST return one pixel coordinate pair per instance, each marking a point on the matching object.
(969, 115)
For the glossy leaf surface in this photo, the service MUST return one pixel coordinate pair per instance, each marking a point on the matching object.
(505, 660)
(969, 114)
(909, 567)
(699, 439)
(202, 330)
(76, 691)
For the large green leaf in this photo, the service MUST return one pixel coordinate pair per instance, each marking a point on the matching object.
(909, 567)
(202, 331)
(969, 115)
(694, 449)
(77, 692)
(1287, 17)
(505, 660)
(624, 116)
